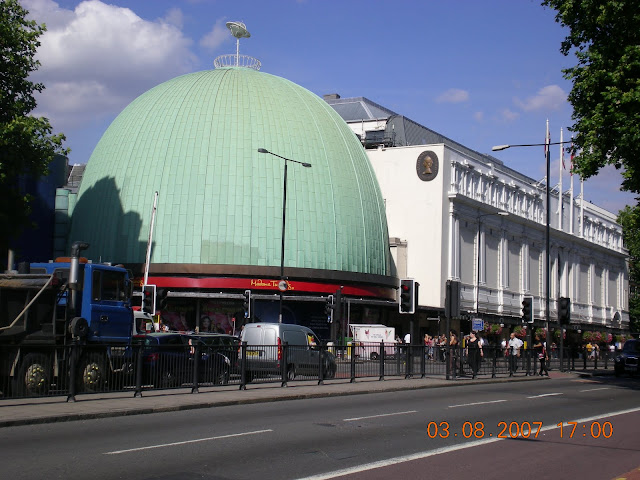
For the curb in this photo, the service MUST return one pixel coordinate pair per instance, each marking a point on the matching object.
(278, 395)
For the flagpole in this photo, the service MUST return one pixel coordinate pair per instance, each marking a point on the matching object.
(571, 189)
(560, 199)
(581, 207)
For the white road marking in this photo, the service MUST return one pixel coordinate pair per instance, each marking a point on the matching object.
(594, 389)
(376, 416)
(116, 452)
(546, 395)
(477, 403)
(438, 451)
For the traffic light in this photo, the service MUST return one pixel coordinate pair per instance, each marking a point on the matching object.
(149, 299)
(527, 309)
(328, 308)
(452, 299)
(161, 296)
(337, 306)
(564, 310)
(407, 301)
(246, 304)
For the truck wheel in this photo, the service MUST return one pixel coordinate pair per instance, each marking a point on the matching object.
(374, 356)
(34, 376)
(93, 373)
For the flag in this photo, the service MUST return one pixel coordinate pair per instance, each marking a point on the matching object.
(571, 159)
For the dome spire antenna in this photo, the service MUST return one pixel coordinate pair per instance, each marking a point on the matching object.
(238, 30)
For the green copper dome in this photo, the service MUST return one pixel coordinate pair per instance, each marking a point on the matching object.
(195, 141)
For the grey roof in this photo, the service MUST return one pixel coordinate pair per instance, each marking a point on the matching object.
(401, 131)
(359, 108)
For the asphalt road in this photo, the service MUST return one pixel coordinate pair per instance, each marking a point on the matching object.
(414, 434)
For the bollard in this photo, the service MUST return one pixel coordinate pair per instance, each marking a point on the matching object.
(495, 360)
(423, 361)
(196, 363)
(381, 359)
(407, 373)
(320, 367)
(243, 366)
(284, 367)
(139, 365)
(353, 365)
(71, 397)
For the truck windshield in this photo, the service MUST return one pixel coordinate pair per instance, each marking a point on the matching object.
(110, 286)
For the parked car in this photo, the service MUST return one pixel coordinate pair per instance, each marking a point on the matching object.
(627, 360)
(168, 361)
(221, 343)
(265, 343)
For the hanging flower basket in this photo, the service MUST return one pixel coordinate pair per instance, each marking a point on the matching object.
(597, 337)
(556, 335)
(520, 332)
(542, 333)
(587, 336)
(492, 329)
(609, 338)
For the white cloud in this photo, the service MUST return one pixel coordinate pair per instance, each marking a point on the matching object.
(453, 95)
(174, 17)
(551, 97)
(99, 57)
(217, 36)
(509, 115)
(478, 116)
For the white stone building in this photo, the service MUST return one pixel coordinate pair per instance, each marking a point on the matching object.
(442, 201)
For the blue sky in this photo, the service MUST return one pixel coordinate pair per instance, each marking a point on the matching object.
(481, 72)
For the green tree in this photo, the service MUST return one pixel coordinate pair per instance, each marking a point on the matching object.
(629, 218)
(27, 144)
(605, 37)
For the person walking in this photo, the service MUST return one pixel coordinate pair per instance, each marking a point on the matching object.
(474, 353)
(543, 356)
(513, 347)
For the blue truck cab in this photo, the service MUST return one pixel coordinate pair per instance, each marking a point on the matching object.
(102, 298)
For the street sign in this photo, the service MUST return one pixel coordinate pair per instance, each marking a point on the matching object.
(477, 324)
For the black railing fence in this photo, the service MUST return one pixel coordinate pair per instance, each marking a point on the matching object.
(81, 369)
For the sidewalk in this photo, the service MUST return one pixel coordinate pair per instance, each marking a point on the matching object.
(29, 411)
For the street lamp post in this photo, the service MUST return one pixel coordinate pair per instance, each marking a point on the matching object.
(282, 285)
(502, 213)
(547, 230)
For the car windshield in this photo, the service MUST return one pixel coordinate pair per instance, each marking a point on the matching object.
(631, 346)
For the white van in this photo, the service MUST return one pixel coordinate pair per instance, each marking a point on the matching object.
(265, 346)
(369, 337)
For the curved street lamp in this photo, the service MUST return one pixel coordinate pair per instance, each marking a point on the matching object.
(282, 285)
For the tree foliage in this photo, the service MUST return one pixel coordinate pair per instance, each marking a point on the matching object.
(27, 144)
(629, 218)
(604, 35)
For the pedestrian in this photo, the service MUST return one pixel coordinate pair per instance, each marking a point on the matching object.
(474, 353)
(540, 348)
(513, 347)
(454, 353)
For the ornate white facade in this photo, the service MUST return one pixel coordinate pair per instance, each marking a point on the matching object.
(446, 226)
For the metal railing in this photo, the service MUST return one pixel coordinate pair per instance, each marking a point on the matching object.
(81, 369)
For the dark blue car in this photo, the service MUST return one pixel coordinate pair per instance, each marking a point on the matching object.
(168, 361)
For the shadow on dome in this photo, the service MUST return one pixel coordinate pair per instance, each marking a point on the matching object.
(110, 237)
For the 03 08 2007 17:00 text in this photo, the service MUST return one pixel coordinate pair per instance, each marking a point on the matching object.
(524, 429)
